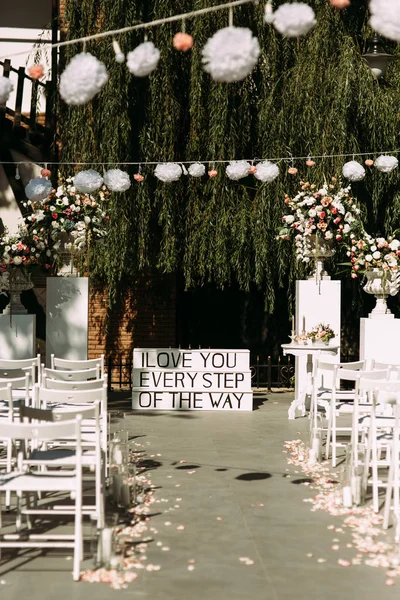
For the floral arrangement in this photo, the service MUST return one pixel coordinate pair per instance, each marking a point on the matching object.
(329, 214)
(367, 253)
(66, 219)
(321, 333)
(23, 249)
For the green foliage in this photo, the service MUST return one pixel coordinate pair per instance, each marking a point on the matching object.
(311, 96)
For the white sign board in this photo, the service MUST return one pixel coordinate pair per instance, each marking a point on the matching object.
(174, 379)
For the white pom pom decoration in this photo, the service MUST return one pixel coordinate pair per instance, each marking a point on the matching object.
(295, 19)
(197, 170)
(386, 164)
(88, 181)
(168, 172)
(38, 189)
(82, 79)
(143, 59)
(231, 54)
(353, 170)
(266, 171)
(385, 18)
(117, 180)
(6, 87)
(237, 169)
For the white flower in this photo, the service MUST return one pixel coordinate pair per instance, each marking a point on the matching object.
(289, 219)
(391, 260)
(328, 235)
(346, 228)
(312, 212)
(87, 220)
(368, 258)
(14, 247)
(322, 192)
(52, 208)
(55, 225)
(59, 192)
(376, 255)
(17, 260)
(394, 245)
(59, 202)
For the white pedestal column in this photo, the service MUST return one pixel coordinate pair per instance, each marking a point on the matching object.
(67, 315)
(17, 336)
(379, 340)
(316, 302)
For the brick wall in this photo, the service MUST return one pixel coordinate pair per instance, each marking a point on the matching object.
(146, 317)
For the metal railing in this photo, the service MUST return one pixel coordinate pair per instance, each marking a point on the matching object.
(266, 373)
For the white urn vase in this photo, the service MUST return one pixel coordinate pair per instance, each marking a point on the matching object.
(381, 284)
(318, 249)
(15, 281)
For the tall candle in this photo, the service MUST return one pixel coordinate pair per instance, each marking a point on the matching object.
(347, 497)
(292, 323)
(304, 324)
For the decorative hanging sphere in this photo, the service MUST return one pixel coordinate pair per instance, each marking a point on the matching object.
(197, 170)
(385, 18)
(310, 162)
(183, 42)
(38, 189)
(340, 3)
(6, 87)
(117, 180)
(82, 79)
(266, 171)
(143, 60)
(253, 170)
(237, 169)
(168, 172)
(88, 181)
(36, 71)
(138, 177)
(369, 162)
(231, 54)
(292, 171)
(386, 164)
(212, 173)
(295, 19)
(45, 173)
(353, 170)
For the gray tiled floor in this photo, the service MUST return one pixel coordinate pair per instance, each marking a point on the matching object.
(239, 464)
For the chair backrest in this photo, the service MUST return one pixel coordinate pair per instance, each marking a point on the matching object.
(78, 375)
(321, 365)
(41, 431)
(78, 365)
(31, 365)
(6, 396)
(27, 413)
(60, 384)
(385, 391)
(44, 397)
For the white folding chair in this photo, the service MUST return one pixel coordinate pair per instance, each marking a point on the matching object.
(21, 482)
(78, 365)
(70, 385)
(90, 374)
(6, 415)
(391, 393)
(18, 368)
(62, 452)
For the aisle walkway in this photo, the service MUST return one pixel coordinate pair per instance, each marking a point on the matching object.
(224, 494)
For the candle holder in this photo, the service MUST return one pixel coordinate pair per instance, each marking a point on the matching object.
(345, 483)
(104, 556)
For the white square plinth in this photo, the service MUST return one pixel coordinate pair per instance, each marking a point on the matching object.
(67, 316)
(379, 340)
(17, 336)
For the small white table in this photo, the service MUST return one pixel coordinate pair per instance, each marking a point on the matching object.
(300, 392)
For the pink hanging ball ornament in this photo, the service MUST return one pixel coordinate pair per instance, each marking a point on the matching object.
(253, 170)
(292, 171)
(369, 162)
(340, 3)
(36, 71)
(183, 42)
(212, 173)
(45, 173)
(310, 163)
(138, 177)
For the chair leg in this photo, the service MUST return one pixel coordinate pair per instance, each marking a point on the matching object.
(388, 498)
(334, 436)
(328, 435)
(78, 542)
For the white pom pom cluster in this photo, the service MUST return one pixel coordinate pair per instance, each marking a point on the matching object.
(293, 20)
(231, 54)
(353, 170)
(385, 18)
(38, 189)
(197, 170)
(6, 87)
(143, 60)
(168, 172)
(266, 171)
(88, 181)
(386, 164)
(237, 169)
(82, 79)
(117, 180)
